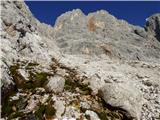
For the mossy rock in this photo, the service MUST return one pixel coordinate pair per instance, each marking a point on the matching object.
(31, 65)
(50, 111)
(47, 110)
(21, 103)
(85, 88)
(106, 114)
(15, 115)
(13, 69)
(17, 77)
(40, 112)
(37, 79)
(71, 86)
(7, 108)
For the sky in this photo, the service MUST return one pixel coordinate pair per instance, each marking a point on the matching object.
(132, 11)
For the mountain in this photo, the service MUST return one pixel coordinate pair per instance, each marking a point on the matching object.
(93, 66)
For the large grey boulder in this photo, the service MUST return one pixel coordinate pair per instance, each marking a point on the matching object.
(125, 97)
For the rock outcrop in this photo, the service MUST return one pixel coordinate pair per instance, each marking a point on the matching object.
(153, 25)
(84, 67)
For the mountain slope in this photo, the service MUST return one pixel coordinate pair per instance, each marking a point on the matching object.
(85, 67)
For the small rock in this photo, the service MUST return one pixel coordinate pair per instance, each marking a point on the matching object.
(84, 105)
(56, 84)
(33, 102)
(16, 97)
(23, 73)
(141, 32)
(61, 72)
(59, 106)
(44, 99)
(14, 108)
(71, 112)
(93, 115)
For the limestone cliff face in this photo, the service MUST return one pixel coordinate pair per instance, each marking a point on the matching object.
(84, 67)
(153, 25)
(100, 33)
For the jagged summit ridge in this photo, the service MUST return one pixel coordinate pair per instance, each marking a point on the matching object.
(76, 33)
(77, 16)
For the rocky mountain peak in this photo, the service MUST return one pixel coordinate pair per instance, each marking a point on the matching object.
(100, 19)
(76, 33)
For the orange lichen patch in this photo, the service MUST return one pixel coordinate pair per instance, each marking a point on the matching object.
(91, 25)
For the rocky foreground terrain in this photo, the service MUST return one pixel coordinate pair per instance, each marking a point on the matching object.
(86, 67)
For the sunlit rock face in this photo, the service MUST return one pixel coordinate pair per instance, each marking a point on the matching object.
(101, 34)
(84, 67)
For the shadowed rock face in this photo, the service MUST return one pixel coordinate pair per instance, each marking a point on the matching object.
(85, 67)
(153, 25)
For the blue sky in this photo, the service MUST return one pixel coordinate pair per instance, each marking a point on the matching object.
(134, 12)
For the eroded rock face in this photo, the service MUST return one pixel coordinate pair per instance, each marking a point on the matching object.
(153, 25)
(101, 34)
(56, 72)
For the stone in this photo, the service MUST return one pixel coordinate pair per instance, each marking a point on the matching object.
(24, 73)
(121, 96)
(32, 103)
(84, 105)
(92, 115)
(60, 107)
(141, 32)
(56, 84)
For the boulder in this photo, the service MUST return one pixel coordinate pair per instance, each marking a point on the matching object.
(123, 96)
(92, 115)
(56, 84)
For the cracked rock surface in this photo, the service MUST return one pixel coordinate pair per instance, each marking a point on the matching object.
(85, 67)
